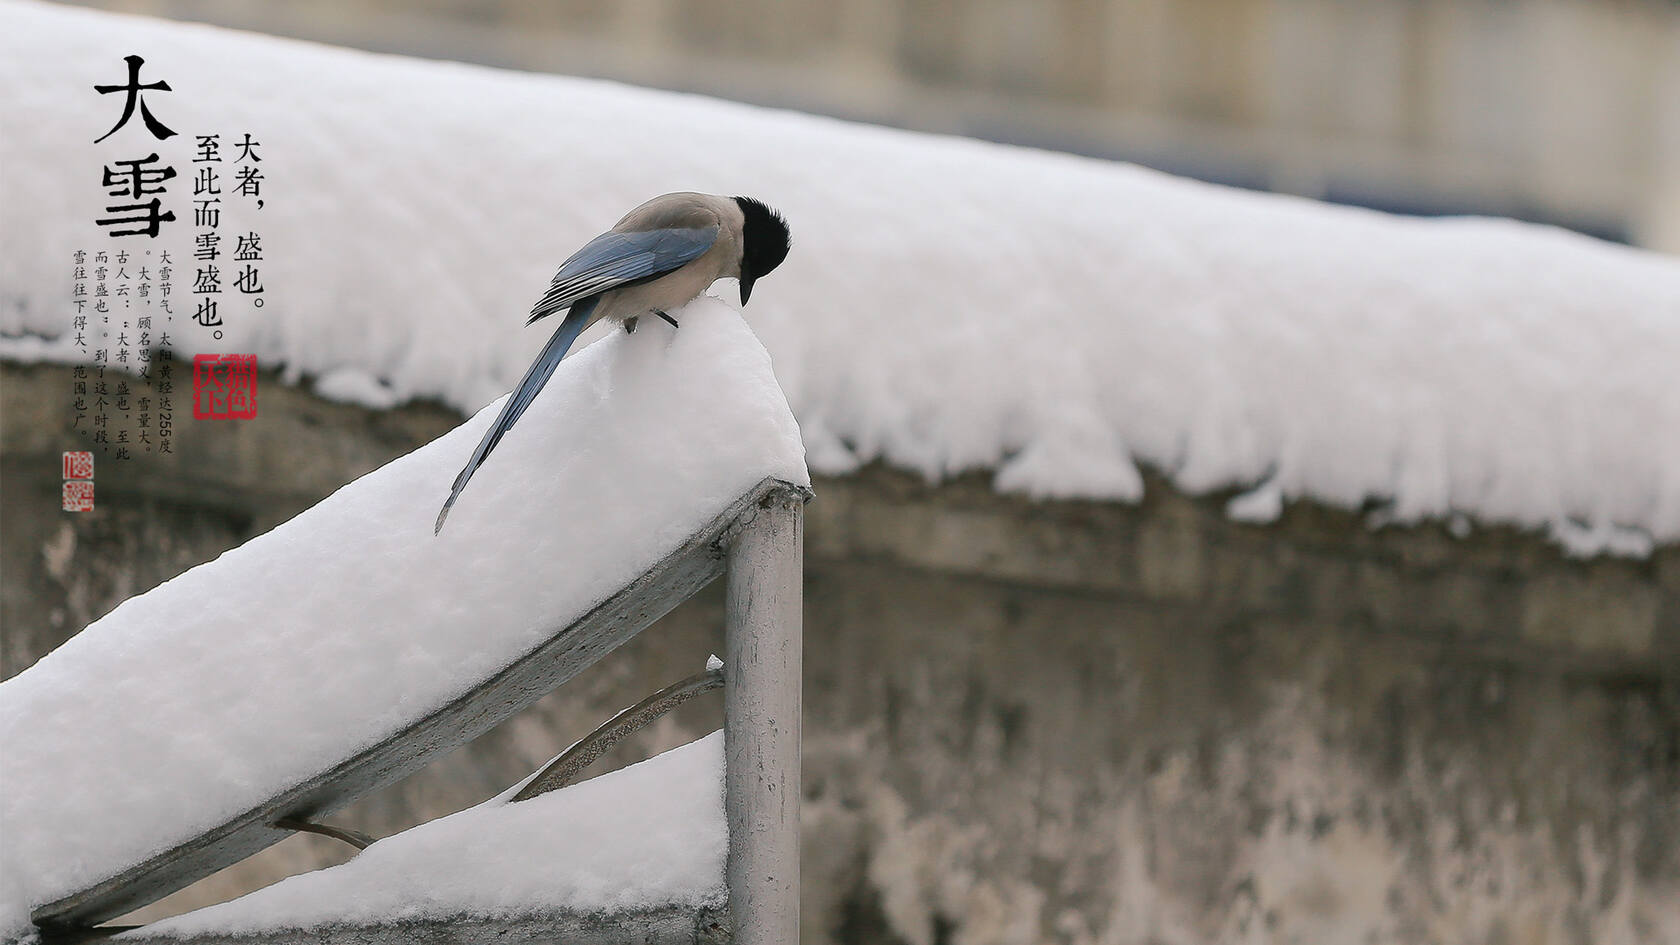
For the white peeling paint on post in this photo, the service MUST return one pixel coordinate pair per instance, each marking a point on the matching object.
(761, 698)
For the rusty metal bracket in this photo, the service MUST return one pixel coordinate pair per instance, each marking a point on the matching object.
(565, 769)
(355, 838)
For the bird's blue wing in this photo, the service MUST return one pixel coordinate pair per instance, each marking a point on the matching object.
(615, 259)
(535, 377)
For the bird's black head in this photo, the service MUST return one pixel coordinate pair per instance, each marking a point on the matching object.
(764, 242)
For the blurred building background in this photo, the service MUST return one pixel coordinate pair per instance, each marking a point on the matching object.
(1558, 111)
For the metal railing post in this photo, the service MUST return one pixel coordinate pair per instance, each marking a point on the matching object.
(761, 698)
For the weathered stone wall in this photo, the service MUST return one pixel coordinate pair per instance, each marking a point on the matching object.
(1060, 722)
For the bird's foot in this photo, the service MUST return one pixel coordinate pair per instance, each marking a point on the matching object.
(630, 325)
(668, 318)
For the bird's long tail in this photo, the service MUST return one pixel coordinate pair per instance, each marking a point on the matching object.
(538, 374)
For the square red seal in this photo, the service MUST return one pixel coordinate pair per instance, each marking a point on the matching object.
(78, 495)
(224, 387)
(78, 465)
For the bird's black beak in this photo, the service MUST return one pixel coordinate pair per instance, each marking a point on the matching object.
(746, 287)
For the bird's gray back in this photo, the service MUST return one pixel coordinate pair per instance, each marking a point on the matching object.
(680, 210)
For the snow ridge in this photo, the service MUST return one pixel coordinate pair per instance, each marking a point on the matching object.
(949, 305)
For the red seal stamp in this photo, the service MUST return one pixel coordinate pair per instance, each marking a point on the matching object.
(78, 495)
(78, 465)
(225, 387)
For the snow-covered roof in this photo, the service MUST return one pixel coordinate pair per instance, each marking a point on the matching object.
(650, 835)
(948, 305)
(254, 673)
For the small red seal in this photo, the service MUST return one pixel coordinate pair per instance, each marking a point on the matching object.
(78, 465)
(78, 495)
(224, 387)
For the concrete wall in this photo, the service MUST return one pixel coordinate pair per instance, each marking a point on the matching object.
(1558, 110)
(1059, 722)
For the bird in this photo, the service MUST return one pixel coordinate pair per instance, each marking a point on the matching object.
(659, 257)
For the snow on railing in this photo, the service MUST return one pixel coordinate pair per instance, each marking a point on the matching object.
(349, 647)
(759, 538)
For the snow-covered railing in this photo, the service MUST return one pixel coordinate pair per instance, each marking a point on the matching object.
(349, 647)
(758, 541)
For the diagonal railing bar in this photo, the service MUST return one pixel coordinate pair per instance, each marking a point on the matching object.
(568, 651)
(657, 925)
(571, 762)
(355, 838)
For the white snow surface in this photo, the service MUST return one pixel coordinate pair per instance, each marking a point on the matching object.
(949, 305)
(647, 835)
(258, 670)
